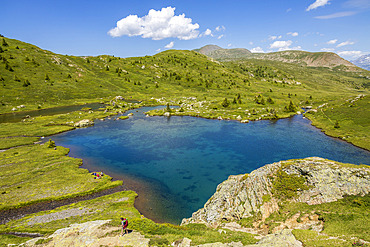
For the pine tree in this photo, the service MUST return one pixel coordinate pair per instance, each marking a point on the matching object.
(4, 43)
(225, 103)
(47, 77)
(51, 144)
(291, 107)
(168, 109)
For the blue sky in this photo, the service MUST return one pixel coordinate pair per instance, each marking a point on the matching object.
(145, 27)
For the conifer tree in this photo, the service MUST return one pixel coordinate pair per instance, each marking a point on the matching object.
(4, 43)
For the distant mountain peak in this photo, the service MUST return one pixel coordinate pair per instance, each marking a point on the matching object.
(305, 58)
(217, 52)
(363, 62)
(207, 49)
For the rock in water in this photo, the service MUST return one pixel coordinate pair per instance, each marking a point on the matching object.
(84, 123)
(243, 196)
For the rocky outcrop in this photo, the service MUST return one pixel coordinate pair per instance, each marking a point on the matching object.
(100, 233)
(84, 123)
(90, 234)
(248, 195)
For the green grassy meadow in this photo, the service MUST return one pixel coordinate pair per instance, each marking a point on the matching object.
(245, 90)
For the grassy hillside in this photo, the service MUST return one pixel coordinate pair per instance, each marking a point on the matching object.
(249, 90)
(243, 90)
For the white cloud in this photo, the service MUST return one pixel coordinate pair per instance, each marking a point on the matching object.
(288, 10)
(351, 54)
(159, 49)
(345, 43)
(251, 43)
(228, 45)
(170, 45)
(361, 4)
(257, 50)
(220, 28)
(273, 37)
(157, 25)
(281, 45)
(327, 49)
(208, 32)
(336, 15)
(332, 42)
(220, 37)
(294, 34)
(295, 48)
(317, 3)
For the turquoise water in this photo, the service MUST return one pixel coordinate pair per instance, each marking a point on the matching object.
(179, 161)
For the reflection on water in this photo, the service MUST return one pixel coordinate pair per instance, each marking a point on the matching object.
(176, 163)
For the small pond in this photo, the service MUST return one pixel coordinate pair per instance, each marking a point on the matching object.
(176, 163)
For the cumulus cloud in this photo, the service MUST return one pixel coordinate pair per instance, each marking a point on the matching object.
(170, 45)
(257, 50)
(351, 54)
(281, 45)
(229, 45)
(336, 15)
(157, 25)
(220, 28)
(332, 42)
(294, 34)
(316, 4)
(345, 43)
(208, 32)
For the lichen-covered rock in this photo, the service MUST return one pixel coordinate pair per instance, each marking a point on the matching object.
(283, 238)
(242, 196)
(90, 234)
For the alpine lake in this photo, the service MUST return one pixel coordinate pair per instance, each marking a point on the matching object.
(175, 163)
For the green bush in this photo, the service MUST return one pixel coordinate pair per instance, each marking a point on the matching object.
(285, 186)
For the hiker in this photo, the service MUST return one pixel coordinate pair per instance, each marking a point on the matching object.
(124, 224)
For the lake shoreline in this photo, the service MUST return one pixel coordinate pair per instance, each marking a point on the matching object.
(131, 184)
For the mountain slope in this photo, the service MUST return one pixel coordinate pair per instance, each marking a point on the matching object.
(311, 59)
(363, 62)
(303, 58)
(251, 89)
(219, 53)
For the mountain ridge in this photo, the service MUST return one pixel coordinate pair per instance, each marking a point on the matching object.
(304, 58)
(363, 62)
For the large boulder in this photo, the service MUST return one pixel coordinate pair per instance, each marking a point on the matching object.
(84, 123)
(243, 196)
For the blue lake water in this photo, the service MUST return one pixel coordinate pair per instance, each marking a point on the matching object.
(176, 163)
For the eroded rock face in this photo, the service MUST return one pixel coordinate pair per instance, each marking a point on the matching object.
(242, 196)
